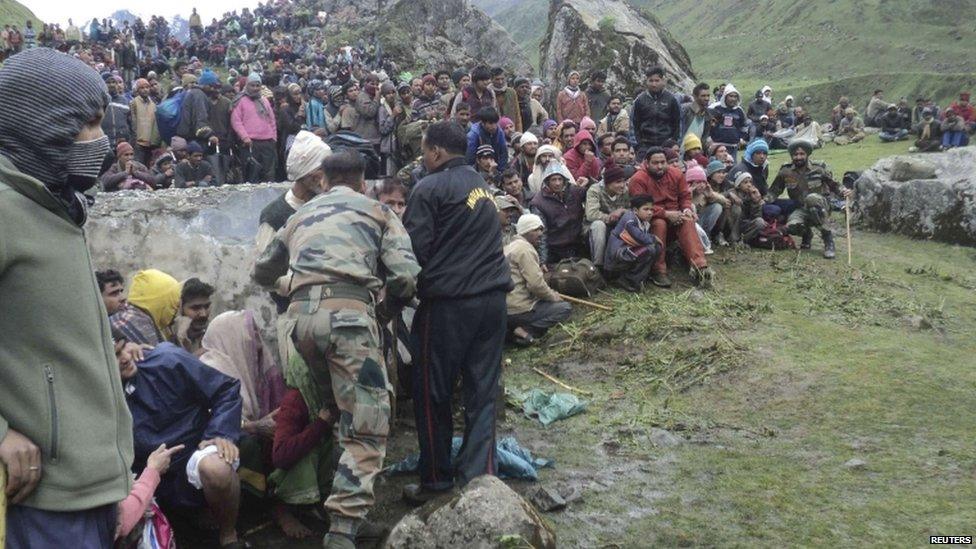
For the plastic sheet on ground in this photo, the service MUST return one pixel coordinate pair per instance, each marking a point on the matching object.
(549, 407)
(514, 461)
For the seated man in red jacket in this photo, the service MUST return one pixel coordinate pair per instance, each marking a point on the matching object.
(674, 216)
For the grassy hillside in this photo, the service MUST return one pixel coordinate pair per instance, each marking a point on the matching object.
(823, 39)
(819, 49)
(15, 13)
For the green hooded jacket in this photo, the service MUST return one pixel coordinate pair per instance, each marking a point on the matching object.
(59, 379)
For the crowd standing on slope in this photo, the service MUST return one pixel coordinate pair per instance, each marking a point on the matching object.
(482, 186)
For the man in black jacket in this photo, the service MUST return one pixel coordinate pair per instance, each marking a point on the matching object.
(459, 327)
(657, 115)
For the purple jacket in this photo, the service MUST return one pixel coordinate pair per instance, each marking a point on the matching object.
(248, 124)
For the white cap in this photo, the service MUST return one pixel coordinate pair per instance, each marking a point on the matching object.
(528, 223)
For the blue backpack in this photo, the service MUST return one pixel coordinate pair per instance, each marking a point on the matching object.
(168, 116)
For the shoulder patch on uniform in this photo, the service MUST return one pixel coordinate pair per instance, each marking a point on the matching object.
(476, 195)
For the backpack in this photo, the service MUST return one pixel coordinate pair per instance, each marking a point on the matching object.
(774, 237)
(349, 140)
(168, 116)
(576, 277)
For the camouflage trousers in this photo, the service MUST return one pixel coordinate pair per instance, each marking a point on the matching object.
(340, 341)
(811, 214)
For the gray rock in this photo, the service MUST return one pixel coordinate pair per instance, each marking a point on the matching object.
(208, 233)
(448, 33)
(547, 499)
(931, 196)
(856, 464)
(479, 516)
(918, 322)
(610, 35)
(665, 439)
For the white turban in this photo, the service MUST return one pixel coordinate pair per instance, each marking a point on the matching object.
(306, 155)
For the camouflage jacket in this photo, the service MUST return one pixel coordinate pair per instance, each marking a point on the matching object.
(341, 236)
(798, 183)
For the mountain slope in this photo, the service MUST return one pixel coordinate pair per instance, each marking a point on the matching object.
(15, 13)
(796, 42)
(821, 39)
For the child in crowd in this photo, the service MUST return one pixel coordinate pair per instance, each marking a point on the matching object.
(632, 247)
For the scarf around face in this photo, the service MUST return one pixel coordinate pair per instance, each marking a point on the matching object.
(46, 98)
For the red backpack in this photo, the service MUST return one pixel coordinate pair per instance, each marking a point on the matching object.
(774, 237)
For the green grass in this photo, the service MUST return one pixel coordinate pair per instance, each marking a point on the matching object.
(15, 13)
(792, 366)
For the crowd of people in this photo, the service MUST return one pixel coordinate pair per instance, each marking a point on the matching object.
(426, 219)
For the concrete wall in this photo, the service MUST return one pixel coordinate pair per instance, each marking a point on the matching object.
(208, 233)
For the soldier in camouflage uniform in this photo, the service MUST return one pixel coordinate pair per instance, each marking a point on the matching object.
(808, 185)
(333, 257)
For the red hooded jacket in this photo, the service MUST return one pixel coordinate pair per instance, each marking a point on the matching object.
(578, 165)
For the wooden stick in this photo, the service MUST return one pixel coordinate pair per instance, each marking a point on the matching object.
(847, 211)
(560, 383)
(3, 506)
(586, 303)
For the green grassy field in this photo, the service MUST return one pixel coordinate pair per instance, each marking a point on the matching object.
(790, 368)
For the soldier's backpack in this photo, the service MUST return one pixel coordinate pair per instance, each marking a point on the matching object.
(349, 140)
(576, 277)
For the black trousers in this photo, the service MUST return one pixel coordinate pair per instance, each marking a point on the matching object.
(452, 337)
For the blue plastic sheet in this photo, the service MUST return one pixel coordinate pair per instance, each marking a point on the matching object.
(514, 461)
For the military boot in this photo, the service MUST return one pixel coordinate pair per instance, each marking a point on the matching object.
(828, 240)
(807, 239)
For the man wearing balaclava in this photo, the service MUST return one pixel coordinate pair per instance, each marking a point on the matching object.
(65, 431)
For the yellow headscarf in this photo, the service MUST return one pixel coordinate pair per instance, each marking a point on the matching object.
(158, 294)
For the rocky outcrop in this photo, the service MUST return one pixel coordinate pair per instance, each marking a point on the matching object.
(925, 196)
(484, 514)
(432, 34)
(610, 35)
(208, 233)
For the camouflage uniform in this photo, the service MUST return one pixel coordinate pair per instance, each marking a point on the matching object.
(330, 256)
(808, 187)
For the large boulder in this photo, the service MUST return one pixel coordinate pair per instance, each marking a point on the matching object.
(610, 35)
(433, 34)
(484, 513)
(924, 196)
(208, 233)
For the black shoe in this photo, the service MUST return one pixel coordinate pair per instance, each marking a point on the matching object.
(661, 280)
(415, 494)
(702, 277)
(627, 285)
(828, 240)
(807, 240)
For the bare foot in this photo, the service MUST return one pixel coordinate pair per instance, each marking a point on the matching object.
(290, 525)
(520, 332)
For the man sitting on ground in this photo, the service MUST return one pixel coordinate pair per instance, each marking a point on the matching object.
(147, 317)
(112, 286)
(606, 202)
(533, 307)
(195, 172)
(525, 159)
(487, 166)
(191, 324)
(176, 399)
(928, 133)
(622, 156)
(891, 125)
(560, 205)
(512, 186)
(674, 218)
(126, 173)
(850, 128)
(808, 185)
